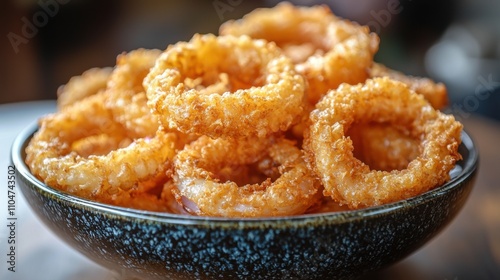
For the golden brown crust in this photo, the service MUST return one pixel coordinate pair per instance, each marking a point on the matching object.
(382, 100)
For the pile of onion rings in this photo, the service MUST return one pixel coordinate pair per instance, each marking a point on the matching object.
(283, 113)
(326, 49)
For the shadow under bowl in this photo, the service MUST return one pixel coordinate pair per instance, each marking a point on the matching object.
(340, 245)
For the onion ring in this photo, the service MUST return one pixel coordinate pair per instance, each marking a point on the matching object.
(99, 144)
(203, 192)
(169, 200)
(435, 93)
(49, 155)
(127, 98)
(348, 180)
(147, 195)
(327, 50)
(77, 88)
(326, 205)
(264, 93)
(299, 31)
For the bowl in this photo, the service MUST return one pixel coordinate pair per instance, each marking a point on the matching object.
(339, 245)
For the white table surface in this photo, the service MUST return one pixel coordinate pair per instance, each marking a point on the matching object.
(40, 254)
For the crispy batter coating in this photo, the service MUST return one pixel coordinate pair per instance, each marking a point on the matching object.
(326, 205)
(261, 93)
(99, 144)
(326, 49)
(50, 157)
(89, 83)
(284, 113)
(435, 93)
(350, 181)
(203, 190)
(299, 31)
(383, 146)
(127, 100)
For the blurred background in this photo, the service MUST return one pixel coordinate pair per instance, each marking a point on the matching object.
(46, 42)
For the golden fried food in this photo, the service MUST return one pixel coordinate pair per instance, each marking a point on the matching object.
(49, 155)
(299, 31)
(435, 93)
(288, 187)
(284, 113)
(350, 181)
(383, 146)
(99, 144)
(89, 83)
(326, 49)
(127, 100)
(261, 95)
(326, 205)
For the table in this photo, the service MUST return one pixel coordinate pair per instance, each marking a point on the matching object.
(469, 248)
(41, 255)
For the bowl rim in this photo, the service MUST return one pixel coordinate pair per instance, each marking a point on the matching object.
(470, 164)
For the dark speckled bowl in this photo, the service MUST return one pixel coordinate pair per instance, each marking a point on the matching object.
(341, 245)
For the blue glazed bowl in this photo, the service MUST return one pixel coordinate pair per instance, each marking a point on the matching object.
(340, 245)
